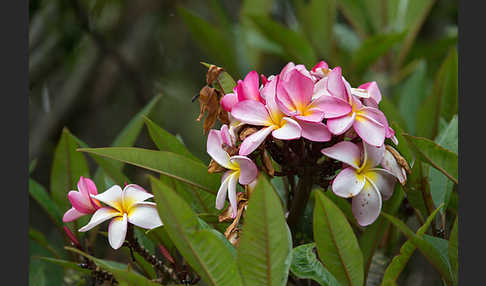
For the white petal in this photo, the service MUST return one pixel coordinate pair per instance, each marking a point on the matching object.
(101, 215)
(133, 194)
(117, 231)
(390, 163)
(144, 215)
(347, 183)
(366, 206)
(344, 151)
(223, 189)
(111, 197)
(215, 149)
(232, 194)
(372, 155)
(383, 180)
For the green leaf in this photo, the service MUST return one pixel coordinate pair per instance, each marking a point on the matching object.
(433, 154)
(68, 165)
(448, 138)
(443, 100)
(202, 249)
(40, 195)
(355, 13)
(32, 166)
(42, 273)
(306, 266)
(372, 49)
(296, 46)
(166, 163)
(66, 264)
(392, 112)
(452, 251)
(416, 187)
(166, 141)
(399, 262)
(317, 19)
(336, 243)
(227, 82)
(121, 274)
(428, 250)
(39, 237)
(211, 40)
(265, 247)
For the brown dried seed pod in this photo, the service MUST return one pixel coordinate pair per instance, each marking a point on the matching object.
(214, 167)
(247, 131)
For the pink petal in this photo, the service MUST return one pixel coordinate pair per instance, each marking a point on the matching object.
(335, 84)
(312, 115)
(80, 202)
(269, 91)
(226, 136)
(373, 90)
(341, 124)
(87, 186)
(215, 149)
(251, 112)
(289, 131)
(346, 152)
(383, 180)
(111, 197)
(370, 102)
(299, 90)
(320, 65)
(284, 73)
(228, 101)
(366, 206)
(332, 106)
(223, 190)
(248, 89)
(117, 231)
(253, 141)
(370, 131)
(248, 169)
(232, 194)
(144, 215)
(101, 215)
(372, 155)
(315, 131)
(347, 183)
(72, 214)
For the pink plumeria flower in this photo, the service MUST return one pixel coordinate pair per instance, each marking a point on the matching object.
(81, 200)
(320, 70)
(361, 180)
(267, 115)
(240, 168)
(124, 206)
(247, 89)
(286, 71)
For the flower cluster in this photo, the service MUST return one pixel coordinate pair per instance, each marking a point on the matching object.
(319, 108)
(123, 206)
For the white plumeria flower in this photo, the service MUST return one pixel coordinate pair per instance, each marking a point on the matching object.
(124, 206)
(361, 180)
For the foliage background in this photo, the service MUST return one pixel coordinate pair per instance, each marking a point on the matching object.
(93, 67)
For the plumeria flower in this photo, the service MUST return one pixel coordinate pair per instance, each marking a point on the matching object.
(361, 180)
(287, 70)
(81, 200)
(247, 89)
(124, 206)
(268, 115)
(320, 70)
(240, 168)
(369, 123)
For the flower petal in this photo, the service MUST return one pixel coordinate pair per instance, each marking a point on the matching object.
(111, 197)
(373, 90)
(223, 190)
(86, 186)
(249, 87)
(348, 183)
(144, 215)
(228, 101)
(383, 180)
(101, 215)
(299, 89)
(390, 163)
(346, 152)
(248, 169)
(71, 215)
(251, 112)
(372, 155)
(289, 130)
(315, 131)
(332, 106)
(80, 202)
(370, 131)
(226, 137)
(254, 140)
(366, 206)
(117, 231)
(340, 125)
(232, 194)
(133, 194)
(335, 84)
(215, 149)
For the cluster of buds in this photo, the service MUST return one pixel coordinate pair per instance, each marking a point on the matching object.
(293, 119)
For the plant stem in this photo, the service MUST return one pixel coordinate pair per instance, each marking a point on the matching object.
(299, 201)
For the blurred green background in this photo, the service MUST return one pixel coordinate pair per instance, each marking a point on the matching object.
(93, 64)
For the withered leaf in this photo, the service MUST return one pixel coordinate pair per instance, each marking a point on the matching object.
(208, 101)
(213, 74)
(400, 160)
(247, 131)
(214, 167)
(267, 163)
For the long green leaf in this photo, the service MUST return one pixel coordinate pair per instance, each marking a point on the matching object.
(428, 250)
(121, 275)
(453, 251)
(203, 249)
(295, 45)
(68, 165)
(433, 154)
(40, 195)
(399, 262)
(336, 243)
(265, 247)
(355, 13)
(306, 266)
(42, 241)
(166, 163)
(66, 264)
